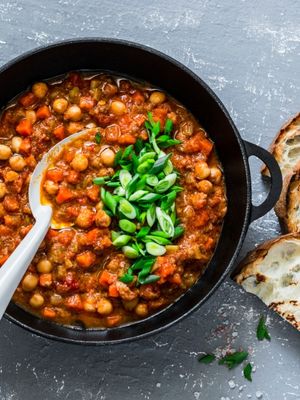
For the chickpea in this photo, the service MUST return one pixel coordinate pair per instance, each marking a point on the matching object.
(30, 282)
(205, 186)
(85, 218)
(102, 219)
(80, 162)
(11, 176)
(202, 170)
(60, 105)
(51, 187)
(118, 107)
(107, 157)
(37, 300)
(40, 89)
(89, 307)
(16, 142)
(130, 304)
(17, 162)
(56, 299)
(3, 190)
(104, 307)
(44, 266)
(215, 175)
(141, 310)
(157, 97)
(73, 113)
(5, 152)
(31, 116)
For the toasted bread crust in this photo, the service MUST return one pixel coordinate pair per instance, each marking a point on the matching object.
(253, 270)
(274, 147)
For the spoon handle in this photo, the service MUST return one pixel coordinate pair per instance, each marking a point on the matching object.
(14, 268)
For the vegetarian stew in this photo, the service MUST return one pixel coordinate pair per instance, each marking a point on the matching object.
(140, 198)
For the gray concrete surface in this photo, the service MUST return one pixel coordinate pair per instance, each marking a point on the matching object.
(249, 53)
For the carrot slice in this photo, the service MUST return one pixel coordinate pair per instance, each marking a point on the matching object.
(59, 132)
(43, 112)
(48, 312)
(24, 127)
(27, 99)
(64, 195)
(113, 291)
(45, 280)
(107, 278)
(86, 259)
(55, 175)
(74, 302)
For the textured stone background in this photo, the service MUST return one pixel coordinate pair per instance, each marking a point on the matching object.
(249, 53)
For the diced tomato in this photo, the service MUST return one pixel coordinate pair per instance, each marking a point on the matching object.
(27, 99)
(74, 302)
(65, 236)
(86, 259)
(64, 195)
(43, 112)
(59, 132)
(160, 114)
(45, 280)
(86, 103)
(73, 211)
(113, 320)
(3, 259)
(31, 161)
(176, 278)
(55, 175)
(25, 146)
(93, 193)
(107, 278)
(113, 291)
(201, 219)
(198, 143)
(52, 233)
(126, 139)
(24, 127)
(48, 312)
(138, 98)
(73, 177)
(69, 155)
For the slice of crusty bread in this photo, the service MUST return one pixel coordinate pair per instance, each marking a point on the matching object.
(286, 147)
(288, 205)
(272, 272)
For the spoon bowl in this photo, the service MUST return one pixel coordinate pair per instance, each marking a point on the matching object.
(16, 265)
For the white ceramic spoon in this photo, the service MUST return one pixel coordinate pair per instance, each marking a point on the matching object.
(16, 265)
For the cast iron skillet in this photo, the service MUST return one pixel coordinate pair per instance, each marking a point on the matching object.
(146, 64)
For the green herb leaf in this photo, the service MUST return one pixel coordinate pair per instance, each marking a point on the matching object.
(247, 372)
(98, 138)
(262, 331)
(160, 164)
(206, 358)
(168, 126)
(234, 359)
(126, 278)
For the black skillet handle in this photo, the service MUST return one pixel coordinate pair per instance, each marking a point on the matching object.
(276, 179)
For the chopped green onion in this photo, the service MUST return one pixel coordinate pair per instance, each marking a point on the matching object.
(100, 180)
(157, 239)
(165, 222)
(152, 180)
(127, 226)
(127, 209)
(151, 215)
(155, 249)
(147, 156)
(130, 252)
(122, 240)
(166, 183)
(137, 195)
(126, 278)
(108, 200)
(143, 232)
(149, 279)
(125, 177)
(207, 358)
(168, 126)
(160, 164)
(145, 166)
